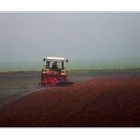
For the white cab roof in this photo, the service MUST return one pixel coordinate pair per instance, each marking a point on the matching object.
(53, 58)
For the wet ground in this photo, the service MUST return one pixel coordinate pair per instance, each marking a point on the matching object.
(109, 100)
(14, 85)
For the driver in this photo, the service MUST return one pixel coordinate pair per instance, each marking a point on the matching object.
(54, 65)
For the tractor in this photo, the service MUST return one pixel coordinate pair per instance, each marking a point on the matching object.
(54, 72)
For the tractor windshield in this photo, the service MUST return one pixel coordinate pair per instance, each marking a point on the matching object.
(56, 65)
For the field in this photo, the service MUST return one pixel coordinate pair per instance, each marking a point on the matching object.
(98, 98)
(14, 85)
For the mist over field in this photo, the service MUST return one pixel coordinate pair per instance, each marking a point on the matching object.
(101, 40)
(94, 64)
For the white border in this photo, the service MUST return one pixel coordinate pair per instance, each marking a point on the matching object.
(69, 5)
(70, 134)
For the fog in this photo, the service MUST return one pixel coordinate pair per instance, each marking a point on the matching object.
(32, 36)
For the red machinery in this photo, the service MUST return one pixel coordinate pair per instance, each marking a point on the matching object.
(54, 72)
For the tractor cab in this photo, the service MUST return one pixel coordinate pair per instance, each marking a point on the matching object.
(54, 71)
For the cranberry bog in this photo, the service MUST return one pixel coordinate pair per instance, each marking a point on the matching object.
(97, 98)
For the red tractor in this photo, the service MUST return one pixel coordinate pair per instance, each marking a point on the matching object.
(54, 72)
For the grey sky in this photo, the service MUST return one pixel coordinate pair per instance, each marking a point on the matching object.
(32, 36)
